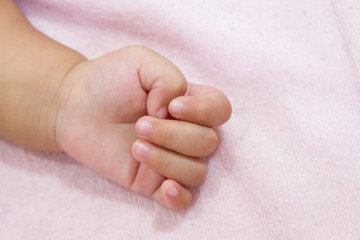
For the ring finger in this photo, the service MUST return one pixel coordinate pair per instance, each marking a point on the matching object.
(186, 170)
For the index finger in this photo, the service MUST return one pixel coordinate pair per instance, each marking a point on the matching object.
(202, 105)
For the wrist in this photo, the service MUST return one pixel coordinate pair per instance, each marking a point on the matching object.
(70, 83)
(57, 101)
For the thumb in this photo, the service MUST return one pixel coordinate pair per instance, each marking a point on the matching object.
(161, 79)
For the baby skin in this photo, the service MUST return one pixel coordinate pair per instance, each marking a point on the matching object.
(130, 115)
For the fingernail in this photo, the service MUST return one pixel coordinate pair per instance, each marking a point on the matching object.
(172, 191)
(143, 127)
(142, 149)
(162, 113)
(177, 107)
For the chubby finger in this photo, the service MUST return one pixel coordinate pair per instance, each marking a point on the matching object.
(175, 196)
(203, 105)
(172, 195)
(160, 78)
(186, 170)
(183, 137)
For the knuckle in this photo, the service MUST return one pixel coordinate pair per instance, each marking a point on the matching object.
(165, 164)
(168, 135)
(210, 141)
(179, 86)
(199, 175)
(184, 204)
(202, 112)
(138, 51)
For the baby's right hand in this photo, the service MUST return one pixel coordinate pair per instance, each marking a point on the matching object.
(104, 99)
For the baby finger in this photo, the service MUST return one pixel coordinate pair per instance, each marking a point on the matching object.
(186, 170)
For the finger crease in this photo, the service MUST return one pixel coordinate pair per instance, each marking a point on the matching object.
(132, 182)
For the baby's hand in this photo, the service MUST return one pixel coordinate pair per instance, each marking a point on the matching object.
(104, 100)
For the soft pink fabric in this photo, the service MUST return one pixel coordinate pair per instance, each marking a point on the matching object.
(288, 165)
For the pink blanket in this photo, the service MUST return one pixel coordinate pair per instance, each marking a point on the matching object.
(288, 165)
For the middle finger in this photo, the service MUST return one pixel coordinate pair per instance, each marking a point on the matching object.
(183, 137)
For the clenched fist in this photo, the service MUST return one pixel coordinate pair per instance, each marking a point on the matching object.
(132, 117)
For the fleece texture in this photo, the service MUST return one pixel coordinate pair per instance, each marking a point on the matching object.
(288, 163)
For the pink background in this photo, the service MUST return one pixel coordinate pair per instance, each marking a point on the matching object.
(288, 165)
